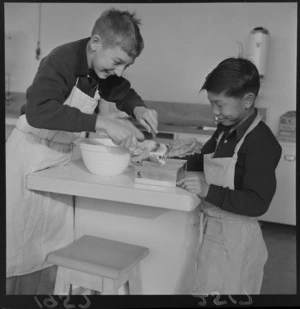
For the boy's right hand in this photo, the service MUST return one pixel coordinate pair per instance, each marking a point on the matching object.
(121, 131)
(195, 183)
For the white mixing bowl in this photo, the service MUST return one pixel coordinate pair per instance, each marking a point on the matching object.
(103, 157)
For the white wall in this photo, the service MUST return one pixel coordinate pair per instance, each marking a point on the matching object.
(183, 43)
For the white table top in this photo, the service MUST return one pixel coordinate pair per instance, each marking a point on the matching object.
(75, 179)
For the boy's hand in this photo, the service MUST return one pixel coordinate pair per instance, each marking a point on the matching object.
(195, 184)
(146, 117)
(121, 131)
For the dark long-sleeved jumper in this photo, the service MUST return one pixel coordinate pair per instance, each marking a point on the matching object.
(254, 179)
(54, 81)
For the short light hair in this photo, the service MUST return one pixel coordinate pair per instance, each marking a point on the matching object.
(120, 28)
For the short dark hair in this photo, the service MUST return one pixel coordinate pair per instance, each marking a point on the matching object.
(120, 28)
(234, 77)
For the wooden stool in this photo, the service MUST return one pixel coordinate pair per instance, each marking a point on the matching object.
(98, 264)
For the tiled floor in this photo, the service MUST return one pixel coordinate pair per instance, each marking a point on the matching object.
(280, 274)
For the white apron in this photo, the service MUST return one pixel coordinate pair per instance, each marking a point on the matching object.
(38, 222)
(232, 252)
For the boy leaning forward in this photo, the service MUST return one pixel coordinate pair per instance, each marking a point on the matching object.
(60, 106)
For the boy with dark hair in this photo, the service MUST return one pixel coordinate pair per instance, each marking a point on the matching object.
(60, 105)
(237, 185)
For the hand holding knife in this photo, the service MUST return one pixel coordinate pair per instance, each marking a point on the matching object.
(153, 134)
(147, 118)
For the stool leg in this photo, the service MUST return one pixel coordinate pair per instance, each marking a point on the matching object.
(126, 288)
(123, 289)
(109, 287)
(135, 281)
(62, 287)
(80, 290)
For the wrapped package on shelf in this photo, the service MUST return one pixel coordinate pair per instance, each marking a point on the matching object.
(288, 118)
(287, 127)
(287, 139)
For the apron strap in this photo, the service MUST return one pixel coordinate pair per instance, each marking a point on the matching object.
(202, 225)
(253, 124)
(239, 144)
(74, 209)
(251, 127)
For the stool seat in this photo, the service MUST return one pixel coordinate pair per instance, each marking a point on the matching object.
(98, 256)
(91, 257)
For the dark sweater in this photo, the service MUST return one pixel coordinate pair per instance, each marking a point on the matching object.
(53, 82)
(255, 179)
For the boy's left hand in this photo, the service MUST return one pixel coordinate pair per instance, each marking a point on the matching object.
(195, 184)
(146, 117)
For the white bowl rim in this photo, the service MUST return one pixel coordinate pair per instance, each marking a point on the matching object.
(98, 142)
(87, 145)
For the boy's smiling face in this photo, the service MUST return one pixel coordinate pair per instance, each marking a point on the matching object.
(108, 61)
(230, 110)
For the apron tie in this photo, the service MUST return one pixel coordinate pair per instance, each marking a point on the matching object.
(202, 226)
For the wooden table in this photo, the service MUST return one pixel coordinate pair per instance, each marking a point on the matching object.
(162, 219)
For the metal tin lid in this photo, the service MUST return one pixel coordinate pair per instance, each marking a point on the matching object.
(260, 29)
